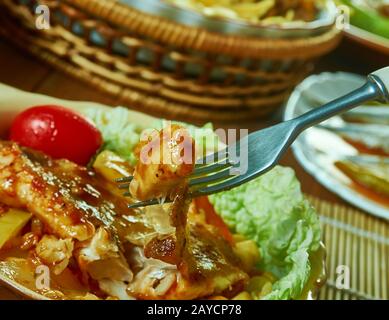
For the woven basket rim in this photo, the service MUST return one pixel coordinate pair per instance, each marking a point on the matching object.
(99, 67)
(170, 33)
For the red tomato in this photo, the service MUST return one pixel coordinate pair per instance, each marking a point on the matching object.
(58, 132)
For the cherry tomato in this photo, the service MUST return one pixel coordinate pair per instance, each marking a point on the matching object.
(58, 132)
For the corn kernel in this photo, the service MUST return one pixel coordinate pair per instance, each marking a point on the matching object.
(256, 284)
(266, 289)
(248, 253)
(238, 238)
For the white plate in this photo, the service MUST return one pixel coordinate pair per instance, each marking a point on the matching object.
(317, 148)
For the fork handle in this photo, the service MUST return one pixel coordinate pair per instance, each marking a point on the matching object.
(375, 88)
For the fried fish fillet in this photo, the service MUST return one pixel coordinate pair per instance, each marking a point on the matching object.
(165, 159)
(176, 259)
(205, 263)
(74, 207)
(208, 267)
(70, 200)
(28, 181)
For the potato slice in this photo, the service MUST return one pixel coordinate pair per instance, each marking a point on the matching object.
(111, 166)
(11, 223)
(248, 252)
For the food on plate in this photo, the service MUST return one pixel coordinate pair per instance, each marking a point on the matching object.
(254, 11)
(370, 15)
(164, 160)
(121, 134)
(272, 211)
(84, 221)
(253, 242)
(59, 132)
(11, 223)
(374, 177)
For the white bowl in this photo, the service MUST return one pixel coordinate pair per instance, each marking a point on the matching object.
(316, 149)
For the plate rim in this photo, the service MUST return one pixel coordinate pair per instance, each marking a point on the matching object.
(343, 191)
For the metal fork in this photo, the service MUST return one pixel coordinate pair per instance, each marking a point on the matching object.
(263, 149)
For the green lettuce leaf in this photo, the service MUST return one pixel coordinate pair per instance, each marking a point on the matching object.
(120, 135)
(272, 210)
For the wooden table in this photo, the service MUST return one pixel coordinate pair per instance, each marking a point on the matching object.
(20, 70)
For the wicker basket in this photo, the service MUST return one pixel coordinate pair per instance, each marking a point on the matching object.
(161, 67)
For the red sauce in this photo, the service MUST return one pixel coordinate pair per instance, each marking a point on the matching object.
(213, 218)
(3, 209)
(360, 188)
(371, 194)
(164, 249)
(362, 148)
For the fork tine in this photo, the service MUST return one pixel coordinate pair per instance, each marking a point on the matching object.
(230, 183)
(210, 168)
(226, 184)
(221, 175)
(212, 158)
(125, 179)
(124, 186)
(146, 203)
